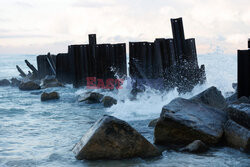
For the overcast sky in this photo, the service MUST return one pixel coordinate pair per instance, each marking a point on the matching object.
(40, 26)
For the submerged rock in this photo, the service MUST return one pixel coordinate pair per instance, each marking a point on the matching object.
(29, 85)
(211, 97)
(182, 121)
(4, 82)
(112, 138)
(51, 81)
(91, 97)
(49, 96)
(15, 82)
(240, 114)
(237, 136)
(108, 101)
(196, 146)
(153, 122)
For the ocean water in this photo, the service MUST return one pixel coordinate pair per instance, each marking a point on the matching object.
(35, 133)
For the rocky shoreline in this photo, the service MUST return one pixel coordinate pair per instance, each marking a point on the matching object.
(187, 125)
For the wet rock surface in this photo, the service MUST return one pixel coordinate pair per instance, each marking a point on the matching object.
(240, 113)
(182, 121)
(49, 96)
(108, 101)
(15, 82)
(196, 146)
(91, 98)
(153, 122)
(4, 82)
(211, 97)
(29, 85)
(237, 136)
(51, 81)
(112, 138)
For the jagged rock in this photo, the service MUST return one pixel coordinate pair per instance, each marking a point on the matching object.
(183, 121)
(235, 86)
(153, 122)
(4, 82)
(211, 97)
(15, 82)
(237, 136)
(112, 138)
(51, 81)
(49, 96)
(240, 114)
(232, 99)
(108, 101)
(29, 85)
(196, 146)
(91, 97)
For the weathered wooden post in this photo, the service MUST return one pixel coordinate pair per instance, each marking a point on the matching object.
(179, 38)
(243, 73)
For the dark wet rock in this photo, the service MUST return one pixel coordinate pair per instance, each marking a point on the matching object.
(29, 85)
(51, 81)
(4, 82)
(15, 82)
(112, 138)
(91, 97)
(182, 121)
(233, 98)
(240, 114)
(49, 96)
(237, 136)
(211, 97)
(153, 122)
(108, 101)
(196, 146)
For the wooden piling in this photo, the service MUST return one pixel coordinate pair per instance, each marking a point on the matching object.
(243, 88)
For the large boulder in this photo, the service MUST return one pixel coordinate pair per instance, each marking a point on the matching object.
(108, 101)
(183, 120)
(196, 146)
(49, 96)
(240, 114)
(4, 82)
(237, 136)
(29, 85)
(91, 97)
(112, 138)
(211, 97)
(51, 81)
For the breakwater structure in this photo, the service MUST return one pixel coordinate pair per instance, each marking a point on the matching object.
(162, 64)
(243, 87)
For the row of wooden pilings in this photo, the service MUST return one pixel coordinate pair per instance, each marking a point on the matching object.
(162, 64)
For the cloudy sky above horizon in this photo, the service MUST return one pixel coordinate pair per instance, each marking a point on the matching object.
(41, 26)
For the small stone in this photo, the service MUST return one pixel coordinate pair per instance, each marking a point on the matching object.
(91, 98)
(196, 146)
(108, 101)
(4, 82)
(49, 96)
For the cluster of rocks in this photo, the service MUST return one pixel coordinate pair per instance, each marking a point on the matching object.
(191, 125)
(94, 97)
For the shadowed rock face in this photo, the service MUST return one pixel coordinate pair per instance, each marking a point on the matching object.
(91, 98)
(240, 114)
(237, 136)
(108, 101)
(182, 121)
(30, 85)
(211, 97)
(111, 138)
